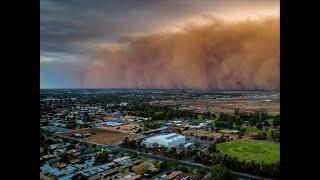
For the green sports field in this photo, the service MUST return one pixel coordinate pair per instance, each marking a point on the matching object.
(248, 150)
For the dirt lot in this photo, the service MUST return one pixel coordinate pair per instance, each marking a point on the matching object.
(227, 105)
(201, 132)
(103, 136)
(125, 128)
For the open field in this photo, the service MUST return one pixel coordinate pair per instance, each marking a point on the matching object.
(103, 136)
(125, 128)
(227, 105)
(200, 133)
(248, 150)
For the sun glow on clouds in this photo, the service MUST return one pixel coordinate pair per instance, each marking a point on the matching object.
(232, 14)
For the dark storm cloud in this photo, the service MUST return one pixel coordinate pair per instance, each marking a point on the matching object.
(66, 24)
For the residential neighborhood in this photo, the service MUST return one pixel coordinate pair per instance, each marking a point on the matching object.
(99, 138)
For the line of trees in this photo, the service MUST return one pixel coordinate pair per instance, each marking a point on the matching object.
(235, 120)
(163, 112)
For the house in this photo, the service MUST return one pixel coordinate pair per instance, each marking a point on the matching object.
(47, 157)
(183, 176)
(113, 123)
(73, 161)
(123, 104)
(174, 174)
(47, 169)
(60, 145)
(78, 135)
(123, 160)
(136, 177)
(188, 145)
(234, 131)
(162, 178)
(80, 122)
(59, 151)
(198, 126)
(195, 177)
(59, 165)
(176, 122)
(73, 151)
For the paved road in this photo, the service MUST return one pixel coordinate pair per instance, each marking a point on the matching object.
(161, 158)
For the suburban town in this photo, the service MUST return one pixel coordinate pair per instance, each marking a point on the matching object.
(159, 134)
(160, 90)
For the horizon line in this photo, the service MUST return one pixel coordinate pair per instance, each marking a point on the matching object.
(160, 89)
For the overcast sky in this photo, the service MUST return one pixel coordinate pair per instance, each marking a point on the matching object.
(71, 31)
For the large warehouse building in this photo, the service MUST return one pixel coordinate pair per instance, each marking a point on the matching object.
(167, 140)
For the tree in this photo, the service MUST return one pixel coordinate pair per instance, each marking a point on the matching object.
(263, 116)
(266, 124)
(71, 146)
(261, 136)
(184, 169)
(219, 172)
(221, 139)
(201, 171)
(71, 123)
(139, 130)
(164, 165)
(79, 177)
(64, 157)
(173, 163)
(134, 155)
(275, 135)
(149, 172)
(259, 126)
(212, 148)
(101, 156)
(141, 169)
(238, 121)
(213, 115)
(172, 152)
(125, 142)
(236, 112)
(276, 121)
(155, 147)
(242, 131)
(45, 150)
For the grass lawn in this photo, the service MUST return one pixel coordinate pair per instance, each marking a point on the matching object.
(273, 113)
(248, 150)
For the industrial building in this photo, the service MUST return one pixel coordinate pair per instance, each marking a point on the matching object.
(167, 140)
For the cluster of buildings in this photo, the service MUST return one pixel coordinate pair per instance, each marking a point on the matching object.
(119, 165)
(87, 168)
(84, 116)
(179, 175)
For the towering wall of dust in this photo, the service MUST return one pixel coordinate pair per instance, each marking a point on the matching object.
(219, 55)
